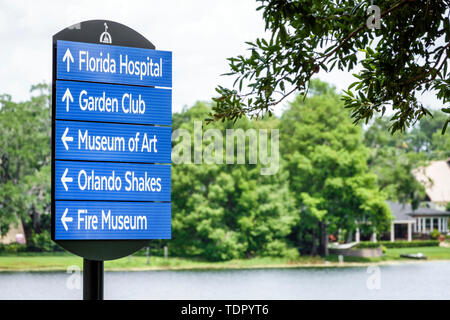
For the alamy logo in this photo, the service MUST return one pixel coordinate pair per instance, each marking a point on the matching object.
(373, 22)
(373, 282)
(105, 37)
(73, 282)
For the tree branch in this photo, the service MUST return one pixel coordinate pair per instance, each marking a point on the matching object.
(362, 27)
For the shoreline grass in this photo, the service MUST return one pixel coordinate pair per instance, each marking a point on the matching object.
(24, 262)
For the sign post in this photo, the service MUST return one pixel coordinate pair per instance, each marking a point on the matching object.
(92, 280)
(111, 144)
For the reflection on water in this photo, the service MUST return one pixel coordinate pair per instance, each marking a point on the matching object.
(429, 280)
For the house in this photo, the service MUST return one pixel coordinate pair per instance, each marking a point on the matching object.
(435, 177)
(419, 222)
(431, 215)
(15, 234)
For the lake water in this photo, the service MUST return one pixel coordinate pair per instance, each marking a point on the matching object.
(422, 280)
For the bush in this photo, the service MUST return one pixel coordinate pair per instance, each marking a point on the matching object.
(435, 234)
(12, 248)
(279, 249)
(397, 244)
(38, 242)
(367, 245)
(158, 252)
(406, 244)
(223, 246)
(42, 242)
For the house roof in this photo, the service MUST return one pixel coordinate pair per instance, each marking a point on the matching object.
(400, 211)
(404, 212)
(428, 212)
(435, 177)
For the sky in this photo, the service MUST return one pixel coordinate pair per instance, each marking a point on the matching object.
(202, 34)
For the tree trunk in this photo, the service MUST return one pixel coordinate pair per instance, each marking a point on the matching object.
(36, 217)
(314, 245)
(26, 231)
(323, 239)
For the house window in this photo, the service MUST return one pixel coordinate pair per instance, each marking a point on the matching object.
(436, 223)
(427, 223)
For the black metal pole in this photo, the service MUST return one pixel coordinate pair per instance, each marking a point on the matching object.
(92, 280)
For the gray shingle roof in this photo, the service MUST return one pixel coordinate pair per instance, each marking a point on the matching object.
(405, 212)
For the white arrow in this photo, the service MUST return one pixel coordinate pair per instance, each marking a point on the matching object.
(68, 57)
(65, 219)
(65, 179)
(68, 97)
(65, 138)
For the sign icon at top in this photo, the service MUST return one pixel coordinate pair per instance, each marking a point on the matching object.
(105, 37)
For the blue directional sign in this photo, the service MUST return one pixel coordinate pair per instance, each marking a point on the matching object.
(112, 112)
(91, 220)
(114, 181)
(112, 142)
(113, 103)
(113, 64)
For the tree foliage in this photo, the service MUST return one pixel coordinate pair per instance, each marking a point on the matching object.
(25, 130)
(406, 56)
(394, 157)
(333, 176)
(229, 211)
(328, 168)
